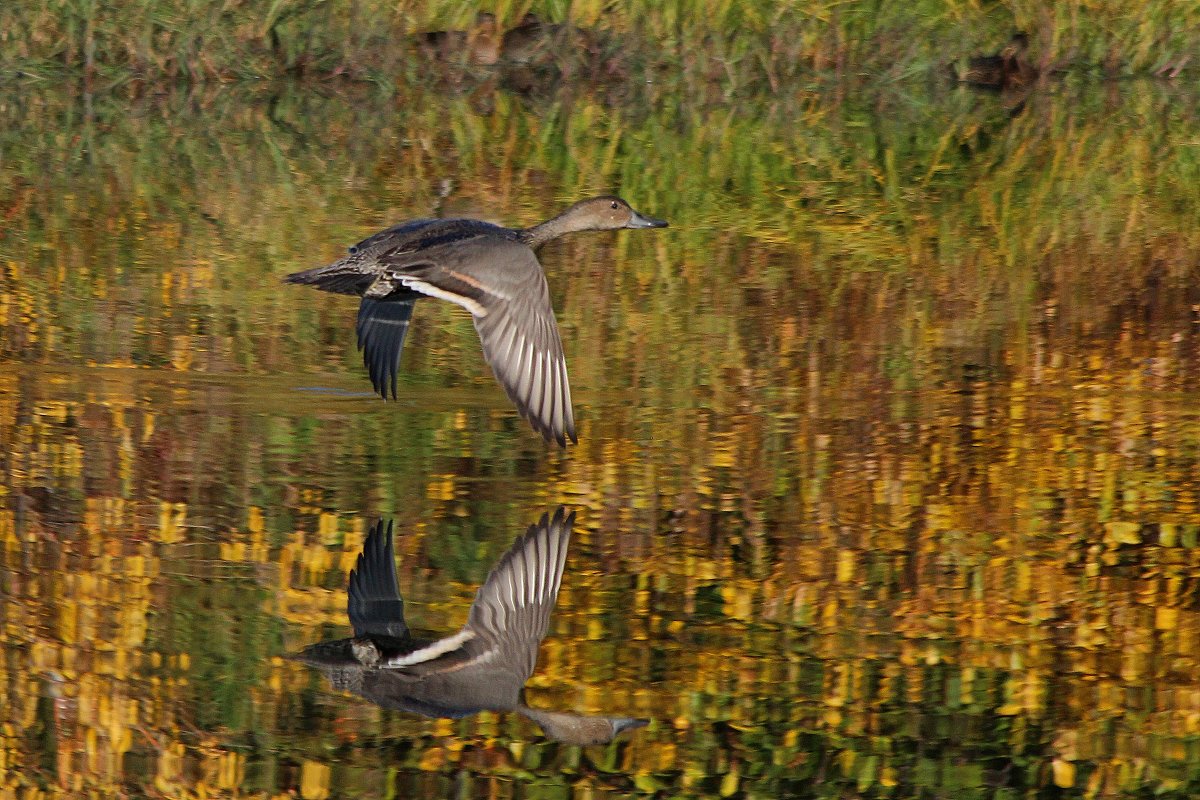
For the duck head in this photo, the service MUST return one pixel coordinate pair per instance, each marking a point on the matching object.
(607, 213)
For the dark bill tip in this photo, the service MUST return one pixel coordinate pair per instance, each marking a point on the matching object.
(638, 221)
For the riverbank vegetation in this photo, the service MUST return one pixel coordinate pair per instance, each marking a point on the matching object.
(763, 41)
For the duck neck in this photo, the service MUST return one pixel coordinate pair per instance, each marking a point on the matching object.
(547, 231)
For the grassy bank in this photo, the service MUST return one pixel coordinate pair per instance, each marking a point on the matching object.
(704, 40)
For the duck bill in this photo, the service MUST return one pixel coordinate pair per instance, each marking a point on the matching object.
(639, 221)
(628, 723)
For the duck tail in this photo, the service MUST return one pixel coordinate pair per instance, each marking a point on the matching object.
(341, 277)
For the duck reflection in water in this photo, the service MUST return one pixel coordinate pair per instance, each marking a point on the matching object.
(485, 665)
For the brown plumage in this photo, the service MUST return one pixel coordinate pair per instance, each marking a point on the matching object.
(534, 43)
(487, 269)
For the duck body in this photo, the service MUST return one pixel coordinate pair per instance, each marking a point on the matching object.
(492, 272)
(374, 266)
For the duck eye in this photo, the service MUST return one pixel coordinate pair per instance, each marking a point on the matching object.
(615, 204)
(353, 249)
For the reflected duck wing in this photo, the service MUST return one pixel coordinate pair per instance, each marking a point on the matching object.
(381, 328)
(374, 605)
(511, 612)
(499, 280)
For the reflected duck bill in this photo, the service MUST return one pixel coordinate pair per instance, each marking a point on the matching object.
(621, 724)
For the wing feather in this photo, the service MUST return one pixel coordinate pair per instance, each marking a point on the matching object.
(374, 604)
(381, 328)
(511, 612)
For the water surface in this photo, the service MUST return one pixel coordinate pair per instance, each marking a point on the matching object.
(889, 461)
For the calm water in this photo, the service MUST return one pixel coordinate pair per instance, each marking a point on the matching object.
(888, 482)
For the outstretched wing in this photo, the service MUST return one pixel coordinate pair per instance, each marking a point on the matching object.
(501, 283)
(511, 612)
(521, 343)
(374, 604)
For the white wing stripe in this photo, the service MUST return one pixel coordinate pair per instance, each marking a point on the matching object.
(430, 652)
(433, 291)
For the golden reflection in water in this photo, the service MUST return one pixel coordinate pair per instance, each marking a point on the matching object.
(887, 482)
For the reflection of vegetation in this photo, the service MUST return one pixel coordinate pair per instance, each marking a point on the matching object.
(1003, 211)
(887, 483)
(705, 41)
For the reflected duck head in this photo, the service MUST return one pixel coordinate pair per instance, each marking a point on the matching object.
(581, 730)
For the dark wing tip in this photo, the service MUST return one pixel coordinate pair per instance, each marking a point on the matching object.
(381, 328)
(376, 560)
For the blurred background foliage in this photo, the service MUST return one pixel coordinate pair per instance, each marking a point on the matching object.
(889, 463)
(692, 41)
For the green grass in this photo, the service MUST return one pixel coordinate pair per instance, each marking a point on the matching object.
(701, 42)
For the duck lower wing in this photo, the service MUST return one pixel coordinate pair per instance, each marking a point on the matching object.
(381, 328)
(511, 612)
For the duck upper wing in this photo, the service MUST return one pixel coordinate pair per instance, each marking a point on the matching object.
(511, 612)
(498, 279)
(374, 604)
